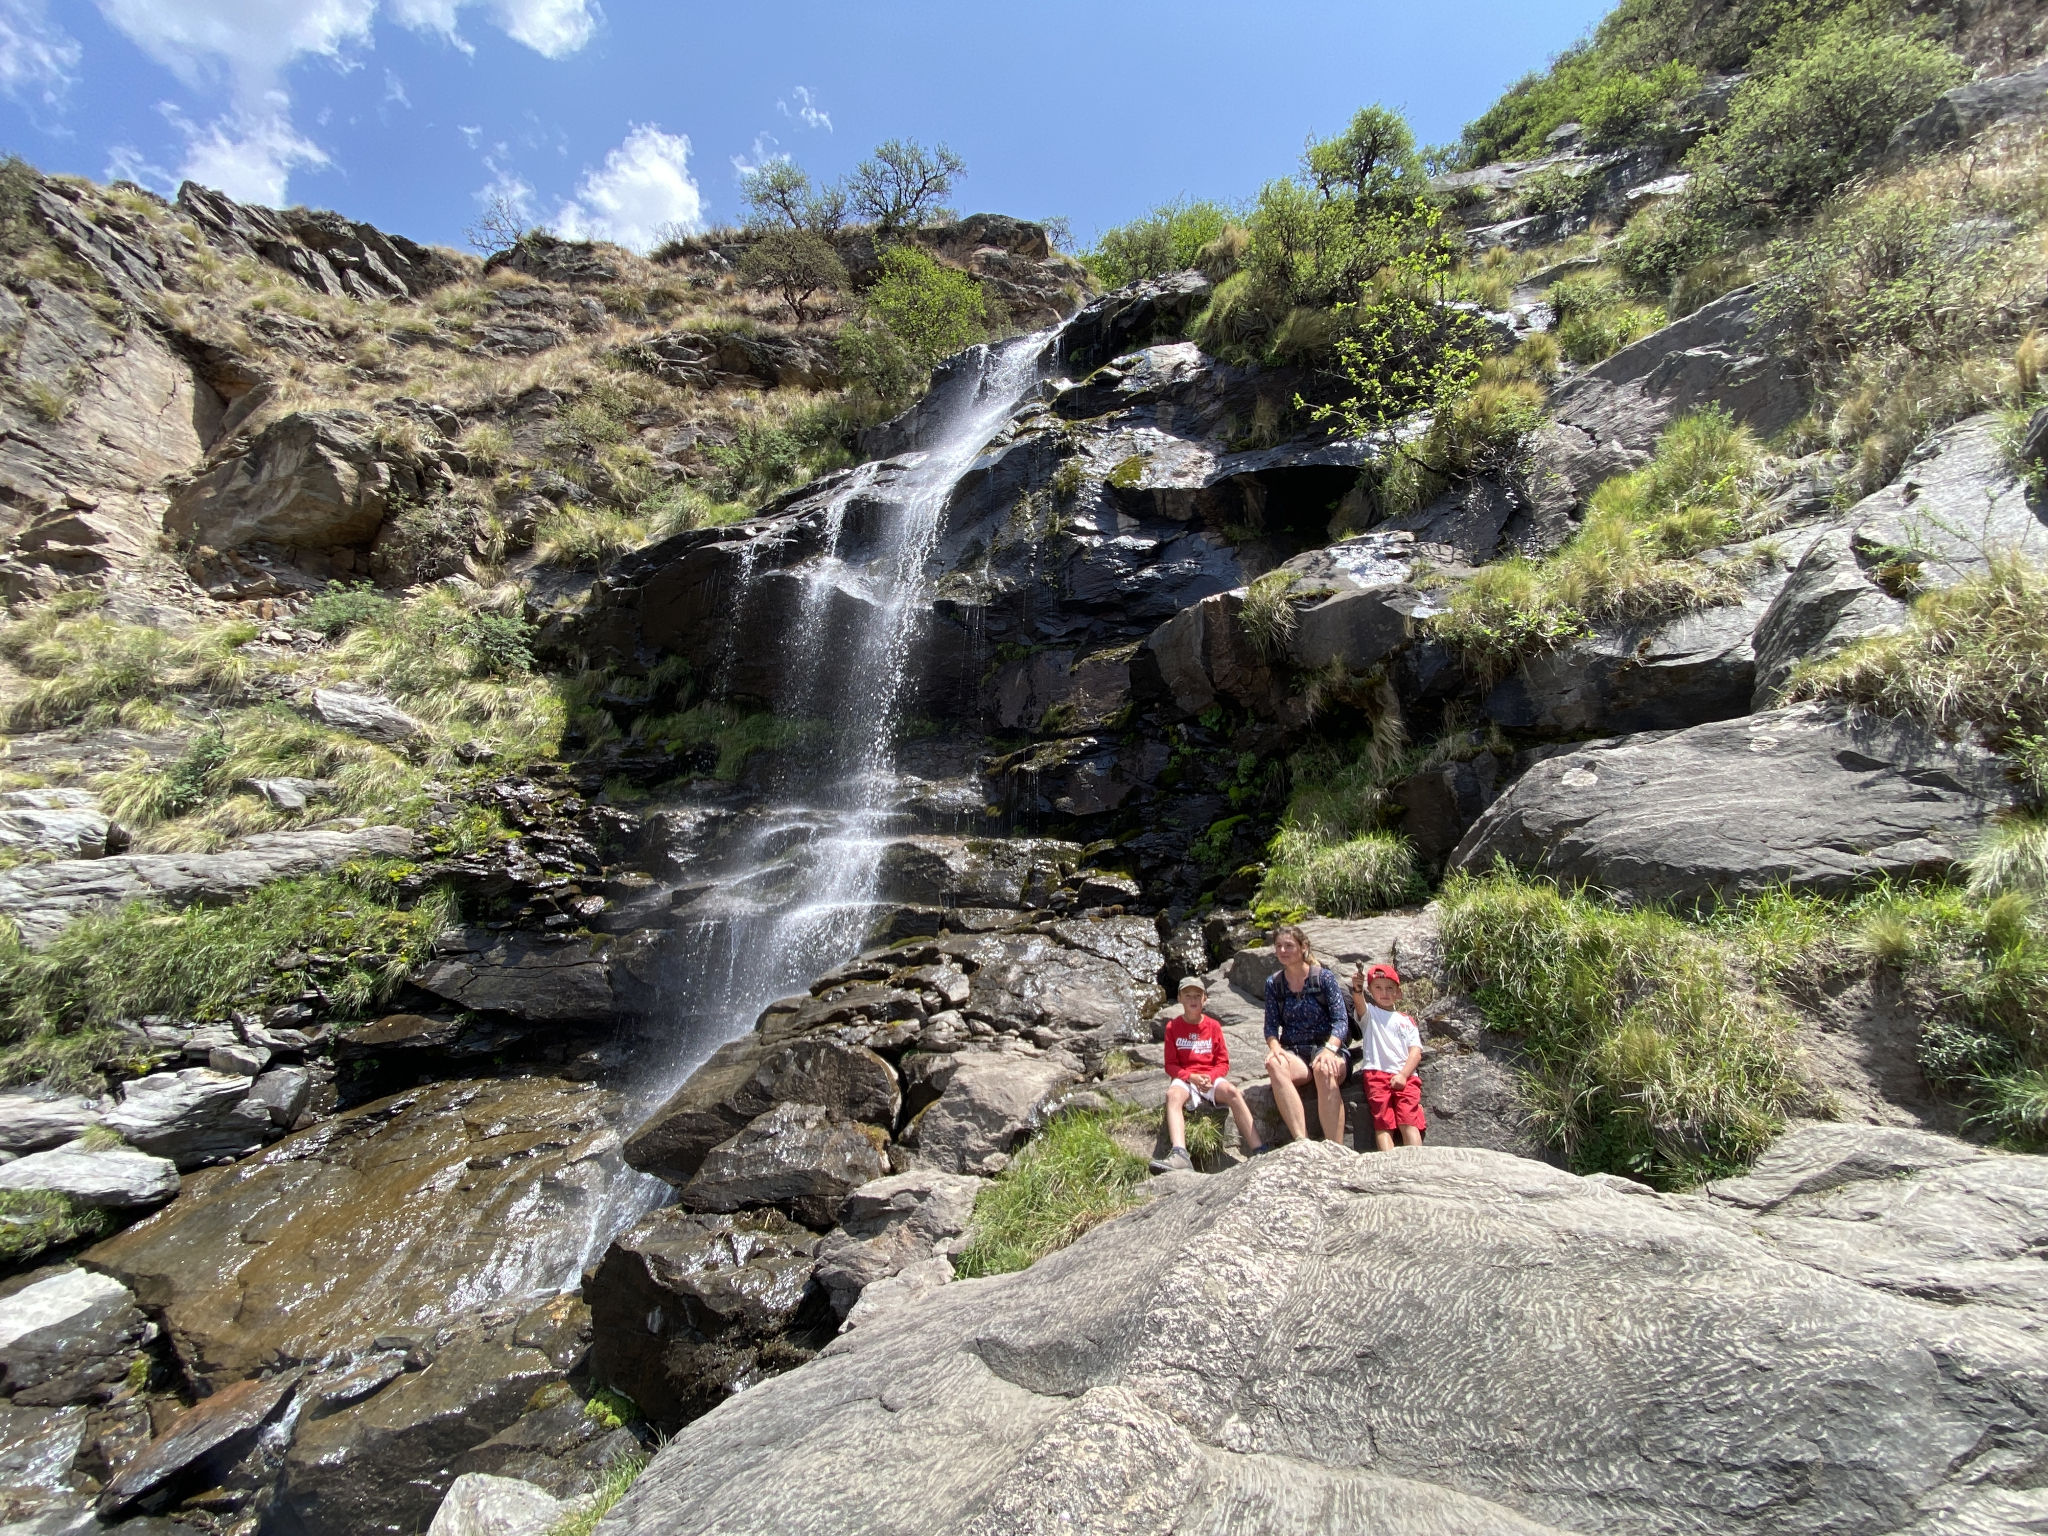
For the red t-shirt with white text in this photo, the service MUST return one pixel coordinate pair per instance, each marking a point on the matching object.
(1195, 1047)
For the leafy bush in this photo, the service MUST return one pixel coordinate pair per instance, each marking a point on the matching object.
(1796, 133)
(1651, 1055)
(916, 313)
(795, 263)
(1069, 1178)
(780, 195)
(340, 607)
(902, 184)
(1171, 238)
(57, 1003)
(1623, 107)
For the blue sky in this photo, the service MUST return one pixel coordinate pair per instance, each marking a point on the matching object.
(616, 118)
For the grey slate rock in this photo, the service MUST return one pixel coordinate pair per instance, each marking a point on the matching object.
(525, 978)
(1111, 1378)
(68, 1338)
(1692, 669)
(194, 1117)
(1966, 111)
(43, 898)
(117, 1178)
(991, 1101)
(799, 1158)
(1956, 503)
(281, 1093)
(480, 1504)
(1828, 602)
(365, 714)
(30, 1124)
(558, 1448)
(890, 1224)
(212, 1430)
(1806, 797)
(683, 1303)
(64, 822)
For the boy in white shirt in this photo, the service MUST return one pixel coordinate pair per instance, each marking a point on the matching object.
(1393, 1050)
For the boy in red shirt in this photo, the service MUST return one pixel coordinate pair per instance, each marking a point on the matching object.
(1197, 1061)
(1393, 1050)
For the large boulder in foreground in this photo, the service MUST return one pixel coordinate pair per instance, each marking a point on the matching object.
(1432, 1340)
(1808, 797)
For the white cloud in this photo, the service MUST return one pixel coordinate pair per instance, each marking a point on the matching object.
(249, 155)
(765, 149)
(247, 45)
(506, 187)
(643, 187)
(552, 28)
(127, 163)
(37, 57)
(807, 110)
(394, 89)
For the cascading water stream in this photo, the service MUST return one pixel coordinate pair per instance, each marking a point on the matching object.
(798, 895)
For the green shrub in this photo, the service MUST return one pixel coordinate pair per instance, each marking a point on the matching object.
(57, 1003)
(1069, 1178)
(795, 263)
(1171, 238)
(1597, 316)
(339, 608)
(1797, 132)
(1651, 1055)
(916, 313)
(1624, 107)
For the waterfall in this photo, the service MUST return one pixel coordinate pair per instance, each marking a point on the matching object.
(799, 892)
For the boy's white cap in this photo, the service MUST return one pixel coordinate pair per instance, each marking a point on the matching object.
(1190, 981)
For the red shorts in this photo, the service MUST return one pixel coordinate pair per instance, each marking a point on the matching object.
(1390, 1109)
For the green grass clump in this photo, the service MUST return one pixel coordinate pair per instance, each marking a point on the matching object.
(348, 931)
(1630, 561)
(32, 1220)
(1367, 873)
(1651, 1053)
(1072, 1176)
(93, 670)
(1974, 655)
(1267, 617)
(1597, 316)
(586, 537)
(618, 1476)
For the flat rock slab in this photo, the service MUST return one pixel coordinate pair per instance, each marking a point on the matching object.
(399, 1214)
(209, 1428)
(480, 1504)
(193, 1117)
(799, 1158)
(523, 978)
(1212, 1361)
(30, 1124)
(117, 1178)
(1955, 504)
(67, 1337)
(1806, 797)
(43, 898)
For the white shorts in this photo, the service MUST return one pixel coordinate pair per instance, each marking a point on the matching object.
(1197, 1098)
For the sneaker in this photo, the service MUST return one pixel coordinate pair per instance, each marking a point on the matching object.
(1176, 1161)
(1264, 1146)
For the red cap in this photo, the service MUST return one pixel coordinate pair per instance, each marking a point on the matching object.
(1374, 972)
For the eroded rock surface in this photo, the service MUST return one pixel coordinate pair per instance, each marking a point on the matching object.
(347, 1231)
(1805, 797)
(1111, 1378)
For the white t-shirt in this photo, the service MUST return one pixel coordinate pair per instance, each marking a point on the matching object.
(1389, 1037)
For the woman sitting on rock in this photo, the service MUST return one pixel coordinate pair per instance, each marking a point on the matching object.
(1306, 1027)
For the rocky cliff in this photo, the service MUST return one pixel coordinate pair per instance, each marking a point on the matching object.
(570, 866)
